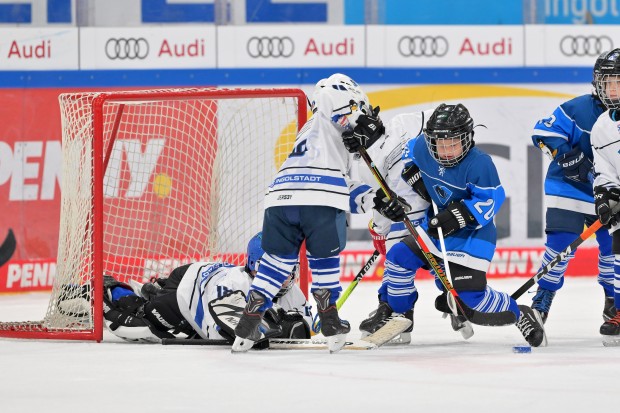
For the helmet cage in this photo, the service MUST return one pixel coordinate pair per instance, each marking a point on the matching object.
(453, 123)
(607, 78)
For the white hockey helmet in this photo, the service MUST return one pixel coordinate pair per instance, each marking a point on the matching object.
(317, 88)
(341, 99)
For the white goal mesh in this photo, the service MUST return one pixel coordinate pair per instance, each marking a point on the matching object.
(154, 179)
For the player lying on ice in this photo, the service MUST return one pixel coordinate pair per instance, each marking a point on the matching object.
(190, 302)
(444, 167)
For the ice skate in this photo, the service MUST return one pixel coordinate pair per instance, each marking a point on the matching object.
(610, 330)
(609, 309)
(542, 302)
(376, 319)
(531, 326)
(333, 328)
(248, 330)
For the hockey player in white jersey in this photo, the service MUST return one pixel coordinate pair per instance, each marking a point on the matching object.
(605, 139)
(308, 201)
(184, 302)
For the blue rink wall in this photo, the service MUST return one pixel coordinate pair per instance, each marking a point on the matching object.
(289, 77)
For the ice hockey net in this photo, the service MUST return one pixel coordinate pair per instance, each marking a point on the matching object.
(154, 179)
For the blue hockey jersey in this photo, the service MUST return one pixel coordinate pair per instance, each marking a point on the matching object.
(569, 126)
(475, 181)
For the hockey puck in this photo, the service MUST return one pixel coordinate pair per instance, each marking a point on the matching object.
(521, 349)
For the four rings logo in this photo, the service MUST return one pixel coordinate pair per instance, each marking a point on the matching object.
(127, 48)
(585, 45)
(270, 47)
(423, 46)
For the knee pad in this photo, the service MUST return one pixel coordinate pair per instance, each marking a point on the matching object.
(467, 279)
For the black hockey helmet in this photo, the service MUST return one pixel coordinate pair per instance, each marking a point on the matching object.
(606, 76)
(449, 122)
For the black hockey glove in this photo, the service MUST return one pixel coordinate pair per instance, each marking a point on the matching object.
(368, 130)
(604, 200)
(395, 208)
(412, 175)
(575, 165)
(450, 220)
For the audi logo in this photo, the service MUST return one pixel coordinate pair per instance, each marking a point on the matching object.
(585, 45)
(130, 48)
(423, 46)
(270, 47)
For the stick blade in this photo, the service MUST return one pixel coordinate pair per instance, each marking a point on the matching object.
(7, 248)
(391, 329)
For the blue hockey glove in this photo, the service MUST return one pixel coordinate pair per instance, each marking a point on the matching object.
(575, 165)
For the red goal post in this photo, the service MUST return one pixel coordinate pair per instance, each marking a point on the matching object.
(153, 179)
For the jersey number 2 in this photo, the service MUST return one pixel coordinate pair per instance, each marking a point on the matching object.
(481, 206)
(299, 149)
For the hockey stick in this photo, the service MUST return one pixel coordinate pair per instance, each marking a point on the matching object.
(385, 334)
(563, 254)
(467, 331)
(194, 342)
(7, 249)
(316, 323)
(457, 305)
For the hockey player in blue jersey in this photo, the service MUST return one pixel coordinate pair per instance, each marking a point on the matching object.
(308, 200)
(443, 165)
(565, 138)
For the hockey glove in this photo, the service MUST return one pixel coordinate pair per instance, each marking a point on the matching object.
(450, 220)
(378, 240)
(604, 200)
(368, 130)
(412, 175)
(394, 209)
(575, 165)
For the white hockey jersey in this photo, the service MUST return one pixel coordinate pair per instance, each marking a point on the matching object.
(204, 282)
(317, 170)
(605, 140)
(387, 155)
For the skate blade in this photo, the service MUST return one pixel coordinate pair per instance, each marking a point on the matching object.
(336, 343)
(241, 345)
(611, 341)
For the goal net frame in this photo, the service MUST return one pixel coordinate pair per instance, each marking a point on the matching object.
(100, 159)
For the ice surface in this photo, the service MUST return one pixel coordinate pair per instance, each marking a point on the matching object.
(439, 371)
